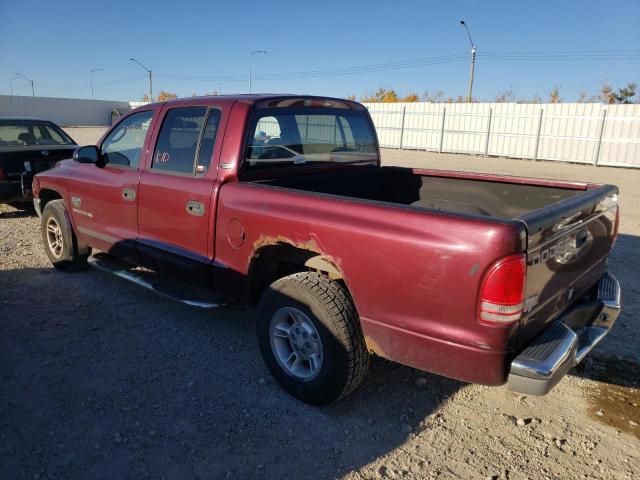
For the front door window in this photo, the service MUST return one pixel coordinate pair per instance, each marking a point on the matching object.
(124, 144)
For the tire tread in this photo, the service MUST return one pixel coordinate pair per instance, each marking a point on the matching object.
(77, 258)
(336, 299)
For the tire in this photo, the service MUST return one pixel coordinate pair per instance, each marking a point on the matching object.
(59, 240)
(297, 300)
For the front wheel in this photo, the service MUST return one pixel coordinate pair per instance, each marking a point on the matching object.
(311, 339)
(60, 243)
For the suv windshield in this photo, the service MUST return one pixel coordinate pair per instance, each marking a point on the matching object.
(27, 133)
(300, 136)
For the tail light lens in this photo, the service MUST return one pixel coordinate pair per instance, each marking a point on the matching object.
(501, 300)
(2, 177)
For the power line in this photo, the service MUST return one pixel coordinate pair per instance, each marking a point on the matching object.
(420, 62)
(564, 52)
(68, 86)
(497, 56)
(329, 72)
(564, 55)
(556, 59)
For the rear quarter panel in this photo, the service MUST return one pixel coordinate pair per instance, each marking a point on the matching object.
(414, 275)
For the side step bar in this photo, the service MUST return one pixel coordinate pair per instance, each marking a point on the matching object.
(113, 266)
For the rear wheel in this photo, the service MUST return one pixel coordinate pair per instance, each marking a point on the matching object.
(60, 242)
(311, 339)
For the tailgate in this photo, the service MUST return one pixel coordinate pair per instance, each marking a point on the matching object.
(568, 246)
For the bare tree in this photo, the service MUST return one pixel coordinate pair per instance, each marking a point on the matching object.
(554, 94)
(433, 97)
(606, 94)
(505, 97)
(582, 97)
(535, 99)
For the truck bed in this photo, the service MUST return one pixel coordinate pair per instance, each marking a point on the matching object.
(569, 225)
(424, 190)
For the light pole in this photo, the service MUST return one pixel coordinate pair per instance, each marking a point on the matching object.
(473, 61)
(11, 84)
(150, 79)
(255, 52)
(91, 77)
(33, 90)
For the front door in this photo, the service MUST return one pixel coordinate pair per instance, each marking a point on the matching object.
(175, 207)
(104, 200)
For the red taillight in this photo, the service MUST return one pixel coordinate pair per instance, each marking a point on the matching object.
(502, 294)
(616, 227)
(2, 177)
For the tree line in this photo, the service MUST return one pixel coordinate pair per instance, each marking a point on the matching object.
(606, 94)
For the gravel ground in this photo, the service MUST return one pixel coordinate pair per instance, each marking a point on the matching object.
(101, 379)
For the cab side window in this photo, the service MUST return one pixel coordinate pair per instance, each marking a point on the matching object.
(123, 146)
(186, 140)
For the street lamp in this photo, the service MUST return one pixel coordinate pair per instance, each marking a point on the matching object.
(473, 60)
(255, 52)
(33, 90)
(150, 79)
(11, 84)
(91, 77)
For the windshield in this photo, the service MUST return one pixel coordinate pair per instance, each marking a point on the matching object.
(25, 133)
(299, 136)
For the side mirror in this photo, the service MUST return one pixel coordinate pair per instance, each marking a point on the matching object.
(88, 154)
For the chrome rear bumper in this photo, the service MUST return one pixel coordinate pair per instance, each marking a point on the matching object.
(566, 342)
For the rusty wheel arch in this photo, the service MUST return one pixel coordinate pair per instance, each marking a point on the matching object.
(271, 261)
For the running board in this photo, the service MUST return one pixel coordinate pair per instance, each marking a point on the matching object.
(111, 265)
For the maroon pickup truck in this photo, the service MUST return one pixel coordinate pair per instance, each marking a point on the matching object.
(281, 201)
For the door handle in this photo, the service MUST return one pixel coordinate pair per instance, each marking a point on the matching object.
(129, 194)
(195, 208)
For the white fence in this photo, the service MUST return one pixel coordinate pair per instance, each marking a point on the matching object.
(573, 132)
(63, 111)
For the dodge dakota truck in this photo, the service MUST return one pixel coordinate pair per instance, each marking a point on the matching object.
(281, 201)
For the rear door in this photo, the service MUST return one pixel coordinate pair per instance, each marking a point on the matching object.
(104, 201)
(175, 207)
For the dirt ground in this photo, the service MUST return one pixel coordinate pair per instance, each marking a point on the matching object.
(101, 379)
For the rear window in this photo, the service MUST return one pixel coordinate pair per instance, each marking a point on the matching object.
(186, 140)
(22, 134)
(303, 136)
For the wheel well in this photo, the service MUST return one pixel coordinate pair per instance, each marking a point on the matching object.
(46, 195)
(272, 262)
